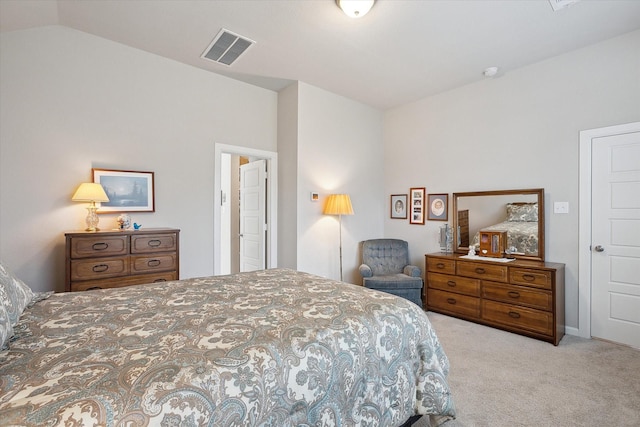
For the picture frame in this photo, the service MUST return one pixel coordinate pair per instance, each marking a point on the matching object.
(417, 205)
(128, 191)
(398, 206)
(438, 207)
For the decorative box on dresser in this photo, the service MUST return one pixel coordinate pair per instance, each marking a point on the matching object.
(109, 259)
(521, 296)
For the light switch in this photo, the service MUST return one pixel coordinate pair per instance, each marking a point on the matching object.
(561, 207)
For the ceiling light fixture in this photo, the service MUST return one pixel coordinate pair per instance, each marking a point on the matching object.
(355, 8)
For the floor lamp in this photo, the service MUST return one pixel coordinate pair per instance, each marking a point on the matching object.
(339, 204)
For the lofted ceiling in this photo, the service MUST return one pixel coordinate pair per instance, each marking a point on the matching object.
(402, 51)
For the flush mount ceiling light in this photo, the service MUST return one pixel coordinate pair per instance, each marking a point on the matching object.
(355, 8)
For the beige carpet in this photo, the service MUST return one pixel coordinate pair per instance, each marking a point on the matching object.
(502, 379)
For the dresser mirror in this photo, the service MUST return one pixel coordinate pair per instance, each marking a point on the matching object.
(518, 212)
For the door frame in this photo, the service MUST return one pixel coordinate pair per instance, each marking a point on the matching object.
(272, 201)
(584, 223)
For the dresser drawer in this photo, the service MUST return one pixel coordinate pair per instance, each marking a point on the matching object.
(146, 264)
(459, 285)
(439, 265)
(463, 305)
(518, 295)
(487, 271)
(97, 246)
(90, 269)
(149, 243)
(518, 317)
(529, 277)
(119, 282)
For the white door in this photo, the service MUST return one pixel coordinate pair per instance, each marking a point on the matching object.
(615, 245)
(253, 221)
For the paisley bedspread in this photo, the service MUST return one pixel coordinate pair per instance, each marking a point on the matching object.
(268, 348)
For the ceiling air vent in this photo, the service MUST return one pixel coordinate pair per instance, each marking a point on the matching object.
(226, 47)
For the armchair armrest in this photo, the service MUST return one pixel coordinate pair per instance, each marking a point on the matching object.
(412, 271)
(365, 270)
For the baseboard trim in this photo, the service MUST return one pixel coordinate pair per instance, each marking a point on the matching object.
(572, 331)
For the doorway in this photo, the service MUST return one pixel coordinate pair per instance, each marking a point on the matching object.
(609, 251)
(222, 215)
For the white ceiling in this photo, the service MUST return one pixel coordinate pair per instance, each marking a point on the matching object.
(402, 51)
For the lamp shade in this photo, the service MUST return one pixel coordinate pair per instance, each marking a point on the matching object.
(90, 192)
(338, 204)
(355, 8)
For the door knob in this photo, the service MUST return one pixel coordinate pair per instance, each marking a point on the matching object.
(599, 248)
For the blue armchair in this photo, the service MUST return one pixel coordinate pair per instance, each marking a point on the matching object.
(385, 267)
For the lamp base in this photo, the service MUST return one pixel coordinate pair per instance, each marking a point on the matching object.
(92, 219)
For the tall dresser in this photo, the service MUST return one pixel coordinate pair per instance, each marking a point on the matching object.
(109, 259)
(521, 296)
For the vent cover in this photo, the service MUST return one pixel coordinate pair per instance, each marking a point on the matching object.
(226, 47)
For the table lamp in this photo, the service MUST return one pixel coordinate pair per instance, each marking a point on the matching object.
(92, 193)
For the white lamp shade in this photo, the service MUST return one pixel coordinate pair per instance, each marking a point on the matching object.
(355, 8)
(338, 204)
(90, 192)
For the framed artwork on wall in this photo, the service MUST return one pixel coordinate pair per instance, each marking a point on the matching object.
(417, 205)
(399, 206)
(438, 207)
(128, 191)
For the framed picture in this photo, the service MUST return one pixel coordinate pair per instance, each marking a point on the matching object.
(128, 191)
(417, 205)
(399, 206)
(438, 207)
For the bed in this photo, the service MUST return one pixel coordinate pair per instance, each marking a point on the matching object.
(521, 225)
(269, 348)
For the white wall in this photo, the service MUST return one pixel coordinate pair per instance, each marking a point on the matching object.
(517, 131)
(338, 146)
(71, 101)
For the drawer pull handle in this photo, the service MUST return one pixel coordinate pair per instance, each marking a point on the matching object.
(451, 300)
(153, 262)
(100, 246)
(451, 283)
(100, 268)
(514, 294)
(514, 314)
(159, 280)
(529, 277)
(480, 270)
(440, 265)
(154, 243)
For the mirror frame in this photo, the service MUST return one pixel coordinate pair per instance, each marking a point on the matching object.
(539, 192)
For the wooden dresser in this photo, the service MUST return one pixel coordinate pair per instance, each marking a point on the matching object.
(525, 297)
(109, 259)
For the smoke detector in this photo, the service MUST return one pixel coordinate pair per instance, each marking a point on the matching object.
(490, 72)
(227, 47)
(556, 5)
